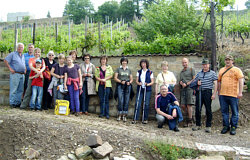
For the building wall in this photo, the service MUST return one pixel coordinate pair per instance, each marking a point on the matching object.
(175, 66)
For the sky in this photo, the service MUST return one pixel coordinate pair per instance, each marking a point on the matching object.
(40, 8)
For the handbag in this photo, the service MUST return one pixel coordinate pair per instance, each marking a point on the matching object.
(46, 73)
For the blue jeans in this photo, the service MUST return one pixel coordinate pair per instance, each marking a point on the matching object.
(225, 101)
(57, 95)
(147, 101)
(123, 98)
(84, 98)
(36, 98)
(16, 88)
(104, 100)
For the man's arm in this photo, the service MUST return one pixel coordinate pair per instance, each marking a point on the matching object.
(241, 83)
(215, 90)
(7, 64)
(176, 103)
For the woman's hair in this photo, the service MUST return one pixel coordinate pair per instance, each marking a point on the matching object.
(50, 52)
(124, 59)
(37, 50)
(104, 57)
(145, 61)
(164, 63)
(86, 55)
(69, 57)
(61, 56)
(73, 52)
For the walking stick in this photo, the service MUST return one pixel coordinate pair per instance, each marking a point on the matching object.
(145, 90)
(136, 109)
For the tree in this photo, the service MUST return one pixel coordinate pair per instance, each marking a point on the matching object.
(247, 4)
(78, 9)
(110, 9)
(127, 9)
(48, 15)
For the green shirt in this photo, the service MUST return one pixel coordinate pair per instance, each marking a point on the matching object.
(123, 75)
(187, 75)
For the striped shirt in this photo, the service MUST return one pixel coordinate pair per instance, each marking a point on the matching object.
(207, 79)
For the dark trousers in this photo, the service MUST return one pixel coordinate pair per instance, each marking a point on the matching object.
(207, 101)
(84, 107)
(47, 98)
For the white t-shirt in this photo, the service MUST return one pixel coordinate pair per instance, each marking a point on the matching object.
(87, 68)
(143, 77)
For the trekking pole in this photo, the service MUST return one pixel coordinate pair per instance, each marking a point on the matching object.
(144, 101)
(200, 88)
(136, 109)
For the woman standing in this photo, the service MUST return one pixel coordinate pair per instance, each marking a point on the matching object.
(47, 98)
(165, 77)
(103, 75)
(124, 78)
(144, 81)
(88, 72)
(73, 82)
(32, 65)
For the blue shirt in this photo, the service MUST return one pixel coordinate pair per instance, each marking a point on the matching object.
(207, 79)
(162, 102)
(27, 57)
(16, 62)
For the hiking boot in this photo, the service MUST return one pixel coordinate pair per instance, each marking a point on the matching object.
(233, 131)
(133, 122)
(119, 118)
(145, 122)
(160, 125)
(77, 114)
(176, 129)
(124, 119)
(196, 128)
(208, 129)
(225, 130)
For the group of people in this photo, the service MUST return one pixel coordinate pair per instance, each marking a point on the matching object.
(30, 86)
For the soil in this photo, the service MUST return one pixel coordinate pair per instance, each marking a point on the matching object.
(55, 136)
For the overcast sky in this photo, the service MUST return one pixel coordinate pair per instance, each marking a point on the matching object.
(40, 8)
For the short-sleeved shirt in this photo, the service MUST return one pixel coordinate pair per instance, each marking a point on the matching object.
(169, 78)
(33, 62)
(59, 70)
(72, 72)
(36, 81)
(187, 75)
(123, 75)
(16, 62)
(230, 81)
(143, 76)
(162, 102)
(27, 57)
(207, 79)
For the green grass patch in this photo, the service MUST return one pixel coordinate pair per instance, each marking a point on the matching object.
(171, 152)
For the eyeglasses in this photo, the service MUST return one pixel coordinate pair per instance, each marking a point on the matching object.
(86, 58)
(51, 55)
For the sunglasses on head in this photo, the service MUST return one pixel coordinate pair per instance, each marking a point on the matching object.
(51, 55)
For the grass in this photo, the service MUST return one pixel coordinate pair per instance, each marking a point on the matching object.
(171, 152)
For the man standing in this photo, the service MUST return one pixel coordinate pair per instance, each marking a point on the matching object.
(167, 109)
(187, 97)
(27, 57)
(230, 86)
(16, 63)
(206, 79)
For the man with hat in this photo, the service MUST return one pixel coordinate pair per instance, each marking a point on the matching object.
(207, 81)
(230, 86)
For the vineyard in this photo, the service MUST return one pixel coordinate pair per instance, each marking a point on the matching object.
(180, 29)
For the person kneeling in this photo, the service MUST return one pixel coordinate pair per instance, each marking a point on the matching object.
(166, 111)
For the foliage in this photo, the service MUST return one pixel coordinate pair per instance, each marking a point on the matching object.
(127, 9)
(247, 4)
(26, 19)
(172, 152)
(78, 9)
(220, 4)
(110, 9)
(48, 15)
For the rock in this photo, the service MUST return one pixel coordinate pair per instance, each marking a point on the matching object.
(245, 87)
(32, 154)
(72, 156)
(103, 150)
(212, 158)
(105, 158)
(118, 158)
(94, 141)
(1, 121)
(63, 158)
(129, 157)
(83, 152)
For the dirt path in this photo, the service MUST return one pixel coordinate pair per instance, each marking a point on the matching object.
(56, 135)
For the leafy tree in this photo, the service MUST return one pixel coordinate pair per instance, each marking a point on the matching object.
(26, 19)
(78, 9)
(110, 9)
(247, 4)
(220, 4)
(127, 9)
(48, 15)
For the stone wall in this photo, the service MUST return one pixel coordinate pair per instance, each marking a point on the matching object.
(175, 66)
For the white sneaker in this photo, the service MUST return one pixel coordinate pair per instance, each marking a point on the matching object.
(124, 119)
(119, 118)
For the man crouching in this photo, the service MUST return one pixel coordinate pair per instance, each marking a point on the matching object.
(167, 108)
